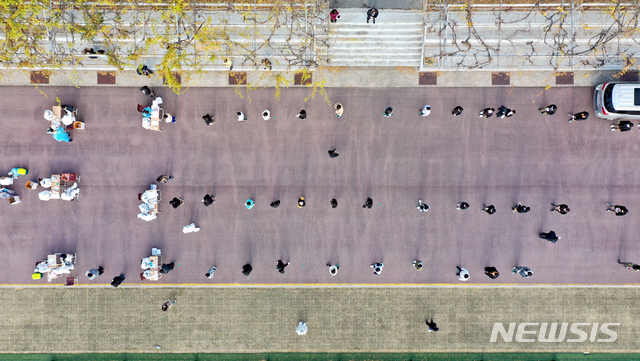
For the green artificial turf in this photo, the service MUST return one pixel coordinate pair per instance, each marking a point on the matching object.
(321, 357)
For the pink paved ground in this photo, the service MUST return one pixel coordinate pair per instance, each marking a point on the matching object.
(529, 158)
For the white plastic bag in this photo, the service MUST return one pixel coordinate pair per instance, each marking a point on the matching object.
(44, 195)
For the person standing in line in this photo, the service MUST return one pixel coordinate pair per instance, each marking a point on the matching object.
(167, 267)
(368, 204)
(502, 112)
(630, 266)
(549, 109)
(211, 272)
(246, 269)
(176, 202)
(335, 15)
(425, 111)
(623, 126)
(302, 328)
(560, 208)
(422, 207)
(457, 111)
(333, 268)
(462, 206)
(163, 178)
(377, 268)
(241, 117)
(578, 116)
(228, 62)
(486, 112)
(492, 272)
(92, 274)
(417, 264)
(302, 114)
(190, 228)
(167, 305)
(117, 281)
(146, 91)
(249, 203)
(333, 153)
(372, 14)
(281, 265)
(388, 112)
(168, 118)
(267, 64)
(334, 203)
(266, 114)
(432, 326)
(490, 209)
(462, 273)
(525, 272)
(208, 119)
(301, 202)
(275, 204)
(208, 200)
(549, 236)
(510, 113)
(339, 109)
(520, 208)
(617, 209)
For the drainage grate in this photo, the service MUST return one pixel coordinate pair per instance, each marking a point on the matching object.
(39, 77)
(429, 78)
(631, 75)
(302, 79)
(238, 78)
(500, 79)
(176, 76)
(106, 77)
(564, 78)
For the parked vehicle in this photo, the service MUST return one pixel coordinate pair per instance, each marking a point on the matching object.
(617, 100)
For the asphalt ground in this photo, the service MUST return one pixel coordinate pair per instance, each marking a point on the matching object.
(529, 158)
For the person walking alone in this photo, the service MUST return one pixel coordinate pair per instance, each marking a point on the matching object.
(462, 206)
(302, 114)
(372, 14)
(92, 274)
(388, 112)
(432, 326)
(241, 117)
(117, 281)
(163, 178)
(335, 15)
(425, 111)
(333, 153)
(368, 204)
(457, 111)
(630, 266)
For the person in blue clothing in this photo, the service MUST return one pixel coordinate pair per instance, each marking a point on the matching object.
(61, 135)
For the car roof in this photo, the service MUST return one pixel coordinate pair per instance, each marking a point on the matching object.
(626, 96)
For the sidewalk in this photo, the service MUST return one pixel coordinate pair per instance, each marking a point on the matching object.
(328, 77)
(129, 319)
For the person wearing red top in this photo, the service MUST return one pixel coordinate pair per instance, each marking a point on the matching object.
(335, 15)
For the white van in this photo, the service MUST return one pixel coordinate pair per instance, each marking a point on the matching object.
(617, 101)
